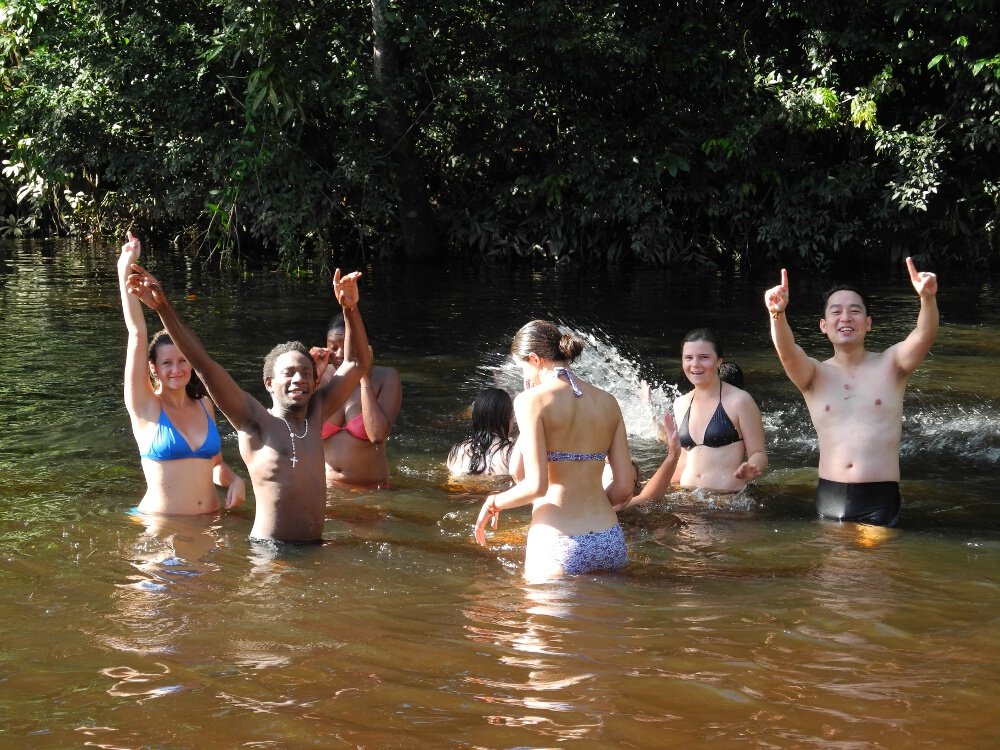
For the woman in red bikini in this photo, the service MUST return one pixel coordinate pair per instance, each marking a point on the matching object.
(172, 420)
(354, 437)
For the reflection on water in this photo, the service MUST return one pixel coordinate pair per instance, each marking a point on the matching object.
(741, 620)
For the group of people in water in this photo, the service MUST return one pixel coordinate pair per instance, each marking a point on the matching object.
(332, 410)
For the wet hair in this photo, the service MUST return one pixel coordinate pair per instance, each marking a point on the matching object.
(843, 288)
(336, 324)
(492, 412)
(288, 346)
(547, 341)
(704, 334)
(195, 388)
(730, 372)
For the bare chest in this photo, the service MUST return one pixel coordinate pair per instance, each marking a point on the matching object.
(868, 394)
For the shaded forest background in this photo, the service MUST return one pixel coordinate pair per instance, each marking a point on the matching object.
(696, 133)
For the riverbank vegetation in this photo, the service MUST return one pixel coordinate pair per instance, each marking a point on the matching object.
(668, 133)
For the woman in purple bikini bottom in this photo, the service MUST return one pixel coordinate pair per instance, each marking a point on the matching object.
(567, 430)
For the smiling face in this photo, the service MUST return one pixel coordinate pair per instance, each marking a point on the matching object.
(171, 368)
(845, 320)
(293, 382)
(700, 362)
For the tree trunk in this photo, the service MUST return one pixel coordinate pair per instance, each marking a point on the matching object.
(416, 219)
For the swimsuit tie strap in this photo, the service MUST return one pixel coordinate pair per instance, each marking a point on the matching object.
(568, 373)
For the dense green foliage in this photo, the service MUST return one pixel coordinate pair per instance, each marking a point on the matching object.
(689, 132)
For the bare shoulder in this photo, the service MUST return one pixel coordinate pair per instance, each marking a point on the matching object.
(383, 372)
(258, 418)
(737, 396)
(682, 401)
(386, 376)
(606, 400)
(528, 399)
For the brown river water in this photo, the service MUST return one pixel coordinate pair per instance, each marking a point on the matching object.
(739, 623)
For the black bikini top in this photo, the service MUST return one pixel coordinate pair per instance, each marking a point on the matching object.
(720, 430)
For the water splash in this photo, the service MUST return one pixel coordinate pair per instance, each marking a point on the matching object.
(605, 365)
(968, 432)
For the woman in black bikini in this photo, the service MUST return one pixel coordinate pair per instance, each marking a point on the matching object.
(720, 429)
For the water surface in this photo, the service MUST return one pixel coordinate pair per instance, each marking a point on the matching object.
(741, 623)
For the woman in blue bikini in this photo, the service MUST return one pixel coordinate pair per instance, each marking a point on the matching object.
(173, 422)
(567, 430)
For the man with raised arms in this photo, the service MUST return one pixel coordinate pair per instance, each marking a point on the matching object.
(855, 398)
(281, 446)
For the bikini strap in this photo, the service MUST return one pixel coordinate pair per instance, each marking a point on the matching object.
(568, 374)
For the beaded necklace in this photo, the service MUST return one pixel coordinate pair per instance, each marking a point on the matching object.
(293, 436)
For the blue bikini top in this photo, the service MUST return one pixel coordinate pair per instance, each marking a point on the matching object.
(169, 445)
(569, 455)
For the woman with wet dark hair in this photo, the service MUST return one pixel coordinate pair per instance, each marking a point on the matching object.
(486, 449)
(172, 420)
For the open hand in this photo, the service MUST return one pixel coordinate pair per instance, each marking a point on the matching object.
(669, 432)
(747, 471)
(345, 289)
(924, 282)
(645, 393)
(776, 298)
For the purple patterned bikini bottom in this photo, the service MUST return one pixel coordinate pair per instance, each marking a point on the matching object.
(595, 550)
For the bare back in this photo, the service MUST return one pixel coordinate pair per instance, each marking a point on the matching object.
(575, 501)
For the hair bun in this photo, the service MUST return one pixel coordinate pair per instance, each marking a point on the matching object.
(570, 347)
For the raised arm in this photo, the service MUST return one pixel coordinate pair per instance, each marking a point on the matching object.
(139, 398)
(799, 367)
(659, 483)
(357, 354)
(233, 401)
(379, 408)
(914, 348)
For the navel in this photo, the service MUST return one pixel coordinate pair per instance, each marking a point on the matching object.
(826, 408)
(878, 402)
